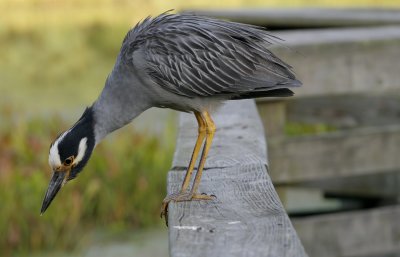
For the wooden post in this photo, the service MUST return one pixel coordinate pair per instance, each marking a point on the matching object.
(247, 217)
(273, 116)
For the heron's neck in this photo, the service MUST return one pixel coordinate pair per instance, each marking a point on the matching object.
(119, 103)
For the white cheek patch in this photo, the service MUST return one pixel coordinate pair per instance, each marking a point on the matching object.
(81, 150)
(54, 156)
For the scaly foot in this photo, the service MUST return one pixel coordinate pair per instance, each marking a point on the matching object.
(180, 197)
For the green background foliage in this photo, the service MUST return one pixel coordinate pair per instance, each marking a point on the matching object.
(121, 188)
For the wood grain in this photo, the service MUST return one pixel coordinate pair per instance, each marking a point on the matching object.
(247, 217)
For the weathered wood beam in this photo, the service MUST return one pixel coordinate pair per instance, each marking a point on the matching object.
(273, 114)
(346, 112)
(373, 232)
(336, 154)
(247, 217)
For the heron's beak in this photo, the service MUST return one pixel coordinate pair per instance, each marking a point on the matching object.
(55, 184)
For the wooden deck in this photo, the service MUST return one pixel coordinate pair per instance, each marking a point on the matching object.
(247, 218)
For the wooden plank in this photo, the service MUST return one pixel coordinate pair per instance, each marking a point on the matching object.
(338, 36)
(307, 17)
(380, 185)
(373, 232)
(337, 154)
(273, 116)
(247, 217)
(345, 111)
(343, 61)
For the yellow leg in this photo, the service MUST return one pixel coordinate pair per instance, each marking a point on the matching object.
(210, 131)
(206, 130)
(196, 151)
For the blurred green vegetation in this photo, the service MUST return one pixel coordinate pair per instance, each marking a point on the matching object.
(121, 188)
(48, 73)
(300, 129)
(57, 67)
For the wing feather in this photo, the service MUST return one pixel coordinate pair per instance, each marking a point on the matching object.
(197, 56)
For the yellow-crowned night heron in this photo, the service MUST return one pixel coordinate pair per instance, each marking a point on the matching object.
(183, 62)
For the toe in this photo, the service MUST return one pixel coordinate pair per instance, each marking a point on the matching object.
(202, 197)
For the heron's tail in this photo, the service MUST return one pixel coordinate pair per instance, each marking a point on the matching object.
(277, 91)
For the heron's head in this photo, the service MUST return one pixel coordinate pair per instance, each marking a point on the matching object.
(68, 154)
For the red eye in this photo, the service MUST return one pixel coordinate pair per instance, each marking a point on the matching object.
(69, 161)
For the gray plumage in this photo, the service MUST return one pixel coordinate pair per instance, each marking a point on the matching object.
(187, 62)
(197, 56)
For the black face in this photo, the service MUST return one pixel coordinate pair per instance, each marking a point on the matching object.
(69, 154)
(76, 148)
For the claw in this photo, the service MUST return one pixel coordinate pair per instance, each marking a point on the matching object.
(181, 197)
(164, 212)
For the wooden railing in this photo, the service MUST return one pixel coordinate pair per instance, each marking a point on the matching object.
(247, 217)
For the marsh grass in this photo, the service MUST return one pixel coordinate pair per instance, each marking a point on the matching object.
(120, 189)
(46, 74)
